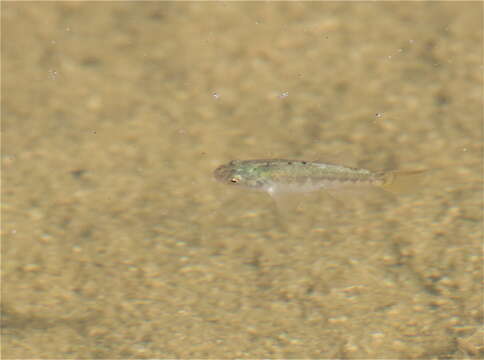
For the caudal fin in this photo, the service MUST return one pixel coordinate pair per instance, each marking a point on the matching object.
(403, 181)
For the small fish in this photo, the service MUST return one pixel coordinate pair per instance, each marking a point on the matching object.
(277, 176)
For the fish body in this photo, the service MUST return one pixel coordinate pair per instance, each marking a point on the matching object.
(283, 176)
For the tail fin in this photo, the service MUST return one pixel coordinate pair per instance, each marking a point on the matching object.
(402, 181)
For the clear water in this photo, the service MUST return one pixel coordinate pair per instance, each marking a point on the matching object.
(117, 241)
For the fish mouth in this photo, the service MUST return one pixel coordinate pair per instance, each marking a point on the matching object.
(223, 173)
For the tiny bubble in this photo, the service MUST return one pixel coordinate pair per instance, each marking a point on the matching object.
(53, 74)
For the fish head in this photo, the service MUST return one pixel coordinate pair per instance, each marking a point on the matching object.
(238, 173)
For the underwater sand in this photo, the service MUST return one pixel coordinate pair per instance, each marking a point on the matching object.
(118, 242)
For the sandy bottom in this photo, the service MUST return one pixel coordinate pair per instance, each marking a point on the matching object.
(118, 243)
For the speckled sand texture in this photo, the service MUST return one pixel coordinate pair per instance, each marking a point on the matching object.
(117, 241)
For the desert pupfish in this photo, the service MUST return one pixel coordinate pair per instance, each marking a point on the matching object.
(278, 176)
